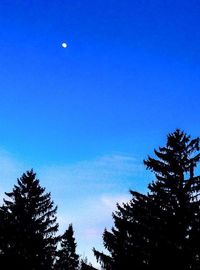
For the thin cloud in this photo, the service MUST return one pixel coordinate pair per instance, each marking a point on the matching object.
(91, 219)
(111, 201)
(101, 173)
(86, 192)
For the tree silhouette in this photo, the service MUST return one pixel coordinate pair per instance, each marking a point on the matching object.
(176, 203)
(29, 222)
(160, 230)
(85, 266)
(127, 242)
(67, 257)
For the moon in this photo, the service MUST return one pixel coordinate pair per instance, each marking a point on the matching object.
(64, 45)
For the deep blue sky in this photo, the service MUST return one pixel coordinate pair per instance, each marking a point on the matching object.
(131, 71)
(129, 76)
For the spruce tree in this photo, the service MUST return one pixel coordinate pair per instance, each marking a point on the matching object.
(85, 266)
(176, 203)
(160, 229)
(67, 257)
(30, 222)
(127, 242)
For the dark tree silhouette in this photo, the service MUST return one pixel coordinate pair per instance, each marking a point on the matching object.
(84, 265)
(29, 221)
(127, 242)
(176, 204)
(67, 257)
(160, 230)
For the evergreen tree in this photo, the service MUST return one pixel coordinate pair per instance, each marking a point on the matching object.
(67, 257)
(85, 266)
(127, 242)
(176, 204)
(160, 230)
(30, 222)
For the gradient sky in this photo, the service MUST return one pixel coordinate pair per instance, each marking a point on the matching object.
(85, 117)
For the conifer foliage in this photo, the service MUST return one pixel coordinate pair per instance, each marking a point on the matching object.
(176, 203)
(160, 229)
(67, 257)
(85, 266)
(28, 219)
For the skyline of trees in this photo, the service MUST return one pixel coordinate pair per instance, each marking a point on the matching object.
(156, 230)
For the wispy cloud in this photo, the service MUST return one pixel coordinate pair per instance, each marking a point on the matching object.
(86, 192)
(90, 220)
(111, 201)
(102, 173)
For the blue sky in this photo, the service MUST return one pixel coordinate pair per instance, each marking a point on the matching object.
(85, 117)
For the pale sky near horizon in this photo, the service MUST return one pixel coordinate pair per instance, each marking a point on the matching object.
(84, 117)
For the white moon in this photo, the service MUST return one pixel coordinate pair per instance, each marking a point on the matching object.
(64, 45)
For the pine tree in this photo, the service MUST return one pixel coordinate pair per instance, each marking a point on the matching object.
(85, 266)
(30, 221)
(67, 257)
(127, 242)
(176, 204)
(160, 230)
